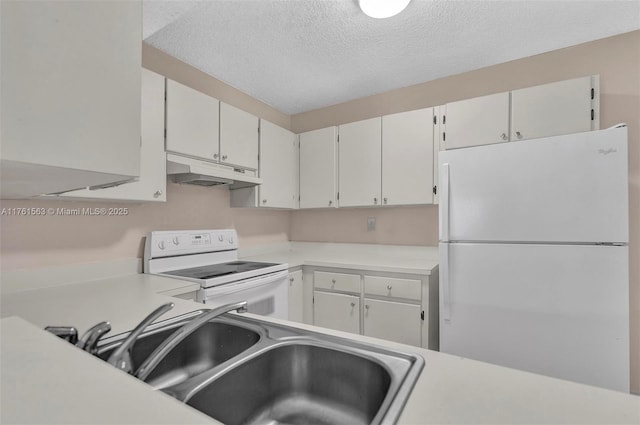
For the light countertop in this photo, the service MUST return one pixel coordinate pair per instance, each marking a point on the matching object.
(381, 258)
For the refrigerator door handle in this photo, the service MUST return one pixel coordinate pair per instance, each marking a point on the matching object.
(444, 283)
(444, 203)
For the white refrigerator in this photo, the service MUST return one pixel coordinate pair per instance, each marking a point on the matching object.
(533, 256)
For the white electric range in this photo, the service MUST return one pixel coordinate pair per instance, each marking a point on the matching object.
(210, 258)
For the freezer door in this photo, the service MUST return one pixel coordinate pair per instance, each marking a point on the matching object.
(561, 311)
(571, 188)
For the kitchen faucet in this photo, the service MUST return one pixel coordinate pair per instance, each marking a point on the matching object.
(121, 357)
(180, 334)
(89, 340)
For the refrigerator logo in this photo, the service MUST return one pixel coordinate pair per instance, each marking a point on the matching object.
(607, 151)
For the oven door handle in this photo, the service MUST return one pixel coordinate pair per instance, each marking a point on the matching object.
(243, 285)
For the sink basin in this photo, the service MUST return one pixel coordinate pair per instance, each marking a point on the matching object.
(209, 346)
(297, 384)
(243, 370)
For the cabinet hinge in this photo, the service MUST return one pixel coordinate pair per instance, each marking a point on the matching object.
(422, 315)
(593, 94)
(338, 196)
(298, 198)
(593, 115)
(444, 136)
(444, 119)
(165, 134)
(338, 138)
(435, 120)
(435, 190)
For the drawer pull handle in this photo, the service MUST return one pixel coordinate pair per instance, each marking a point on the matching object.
(353, 304)
(389, 287)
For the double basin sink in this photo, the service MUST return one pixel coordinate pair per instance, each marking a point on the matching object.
(241, 370)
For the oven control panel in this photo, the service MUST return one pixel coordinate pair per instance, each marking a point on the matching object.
(185, 242)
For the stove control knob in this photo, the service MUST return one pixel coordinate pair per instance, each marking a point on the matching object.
(161, 245)
(176, 241)
(220, 238)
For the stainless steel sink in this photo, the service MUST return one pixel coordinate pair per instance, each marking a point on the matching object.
(241, 370)
(209, 346)
(297, 383)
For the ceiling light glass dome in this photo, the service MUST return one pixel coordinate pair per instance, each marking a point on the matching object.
(382, 8)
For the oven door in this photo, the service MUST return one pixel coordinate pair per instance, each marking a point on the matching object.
(265, 295)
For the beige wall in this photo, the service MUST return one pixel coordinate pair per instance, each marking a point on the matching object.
(55, 240)
(616, 59)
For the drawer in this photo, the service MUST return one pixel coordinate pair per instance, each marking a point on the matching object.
(393, 287)
(337, 281)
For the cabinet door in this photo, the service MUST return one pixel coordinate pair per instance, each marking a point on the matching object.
(278, 159)
(553, 109)
(478, 121)
(360, 163)
(318, 168)
(336, 311)
(407, 158)
(70, 103)
(192, 122)
(151, 185)
(238, 137)
(394, 321)
(296, 297)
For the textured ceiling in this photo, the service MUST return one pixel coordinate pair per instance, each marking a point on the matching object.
(300, 55)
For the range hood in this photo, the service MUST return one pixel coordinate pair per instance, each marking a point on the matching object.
(194, 171)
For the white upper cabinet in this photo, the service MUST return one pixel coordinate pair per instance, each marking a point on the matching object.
(70, 104)
(278, 170)
(151, 186)
(478, 121)
(318, 168)
(563, 107)
(238, 137)
(278, 166)
(192, 122)
(360, 163)
(407, 158)
(554, 109)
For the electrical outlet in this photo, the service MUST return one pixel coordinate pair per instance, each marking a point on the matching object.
(371, 223)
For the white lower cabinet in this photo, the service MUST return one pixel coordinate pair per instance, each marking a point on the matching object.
(393, 306)
(337, 311)
(296, 297)
(394, 321)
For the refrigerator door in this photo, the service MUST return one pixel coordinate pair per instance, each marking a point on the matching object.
(557, 310)
(571, 188)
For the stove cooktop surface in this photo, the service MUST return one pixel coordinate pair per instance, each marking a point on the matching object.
(213, 271)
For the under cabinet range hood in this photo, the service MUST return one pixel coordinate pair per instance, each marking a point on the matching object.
(194, 171)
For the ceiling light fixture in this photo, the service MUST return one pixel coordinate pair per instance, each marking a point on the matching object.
(382, 8)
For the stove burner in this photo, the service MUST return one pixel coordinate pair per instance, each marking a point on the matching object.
(217, 270)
